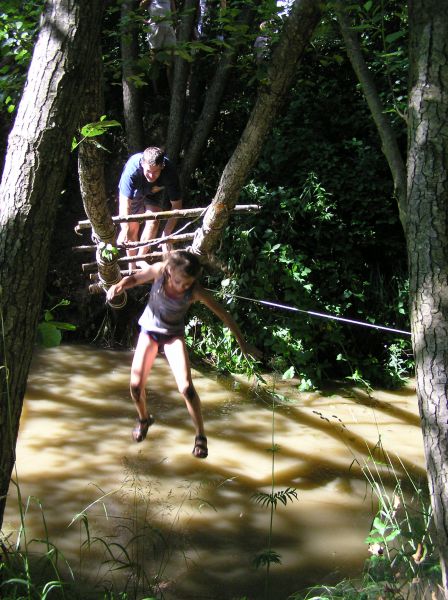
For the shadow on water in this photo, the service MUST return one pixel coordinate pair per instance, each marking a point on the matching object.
(193, 523)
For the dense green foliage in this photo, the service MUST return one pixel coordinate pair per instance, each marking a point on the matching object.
(18, 26)
(327, 239)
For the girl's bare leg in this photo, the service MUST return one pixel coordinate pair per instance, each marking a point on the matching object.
(177, 356)
(144, 356)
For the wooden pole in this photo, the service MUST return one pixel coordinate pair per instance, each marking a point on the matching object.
(167, 214)
(149, 258)
(174, 239)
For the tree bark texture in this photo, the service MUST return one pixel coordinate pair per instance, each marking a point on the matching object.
(91, 180)
(132, 97)
(33, 176)
(387, 135)
(296, 34)
(180, 82)
(427, 235)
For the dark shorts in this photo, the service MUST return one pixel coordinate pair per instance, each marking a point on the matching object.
(161, 338)
(141, 204)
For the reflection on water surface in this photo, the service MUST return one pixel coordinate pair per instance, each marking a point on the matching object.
(75, 454)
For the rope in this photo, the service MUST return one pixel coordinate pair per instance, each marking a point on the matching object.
(156, 241)
(321, 315)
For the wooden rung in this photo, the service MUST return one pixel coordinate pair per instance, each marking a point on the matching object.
(149, 258)
(167, 214)
(175, 239)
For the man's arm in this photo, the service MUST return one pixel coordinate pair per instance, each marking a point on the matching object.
(124, 207)
(171, 223)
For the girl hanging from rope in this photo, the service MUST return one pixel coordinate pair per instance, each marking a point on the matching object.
(174, 289)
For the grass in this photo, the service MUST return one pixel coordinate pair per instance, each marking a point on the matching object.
(130, 562)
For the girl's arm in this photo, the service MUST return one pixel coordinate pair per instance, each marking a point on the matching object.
(206, 298)
(148, 273)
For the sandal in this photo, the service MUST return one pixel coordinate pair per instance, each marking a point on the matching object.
(141, 428)
(200, 449)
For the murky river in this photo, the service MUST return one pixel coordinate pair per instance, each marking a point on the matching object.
(194, 525)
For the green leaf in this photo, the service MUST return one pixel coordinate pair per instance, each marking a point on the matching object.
(392, 535)
(64, 326)
(98, 127)
(266, 558)
(374, 539)
(48, 335)
(289, 373)
(379, 525)
(395, 36)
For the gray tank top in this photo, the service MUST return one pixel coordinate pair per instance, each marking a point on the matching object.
(164, 314)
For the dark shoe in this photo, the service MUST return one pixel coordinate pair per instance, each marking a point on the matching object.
(141, 429)
(200, 449)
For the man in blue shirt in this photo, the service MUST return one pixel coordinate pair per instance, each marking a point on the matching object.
(148, 180)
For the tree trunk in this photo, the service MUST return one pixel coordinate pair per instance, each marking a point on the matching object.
(91, 180)
(427, 235)
(33, 176)
(180, 81)
(296, 34)
(132, 100)
(386, 133)
(211, 104)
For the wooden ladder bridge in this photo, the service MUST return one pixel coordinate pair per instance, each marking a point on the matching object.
(107, 268)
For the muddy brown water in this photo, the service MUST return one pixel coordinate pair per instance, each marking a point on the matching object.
(194, 526)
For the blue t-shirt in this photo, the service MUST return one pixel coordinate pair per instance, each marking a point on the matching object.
(133, 184)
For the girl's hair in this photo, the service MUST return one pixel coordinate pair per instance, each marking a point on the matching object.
(184, 262)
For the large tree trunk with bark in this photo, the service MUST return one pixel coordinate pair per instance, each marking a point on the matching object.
(33, 176)
(132, 98)
(427, 235)
(296, 34)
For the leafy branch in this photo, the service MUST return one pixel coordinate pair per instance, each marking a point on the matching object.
(93, 130)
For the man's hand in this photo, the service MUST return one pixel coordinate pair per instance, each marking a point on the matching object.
(123, 235)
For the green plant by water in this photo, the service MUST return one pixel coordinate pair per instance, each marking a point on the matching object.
(49, 330)
(404, 563)
(271, 501)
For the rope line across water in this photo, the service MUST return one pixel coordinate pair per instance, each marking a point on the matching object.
(320, 315)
